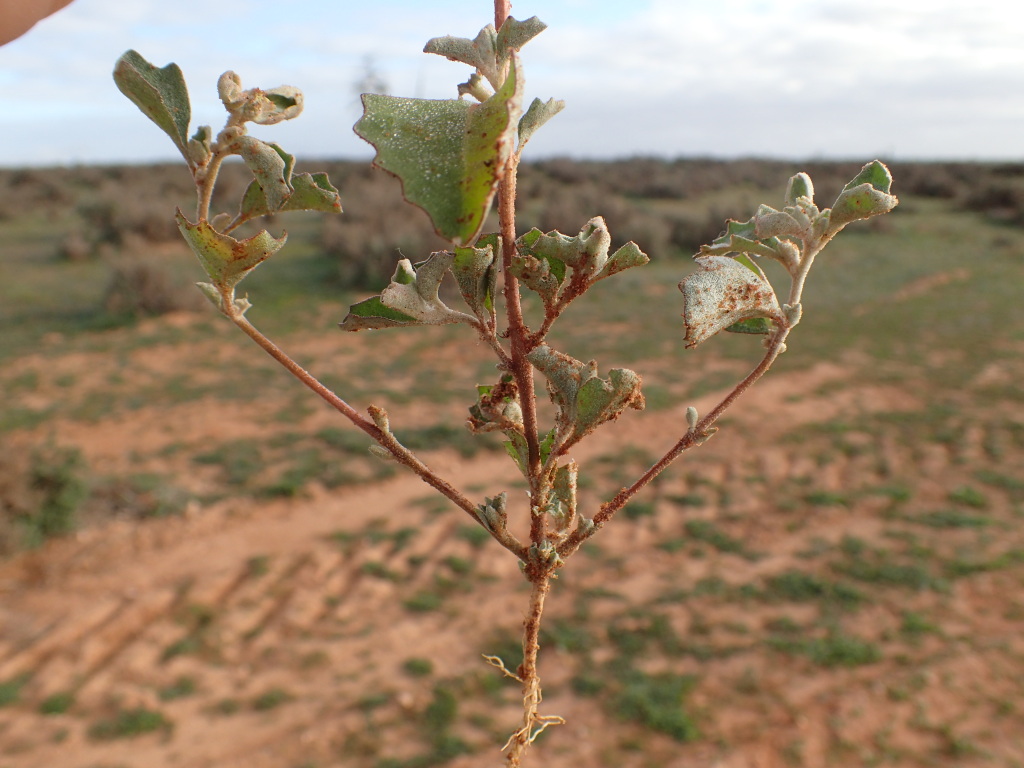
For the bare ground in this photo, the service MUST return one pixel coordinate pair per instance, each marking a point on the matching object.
(277, 632)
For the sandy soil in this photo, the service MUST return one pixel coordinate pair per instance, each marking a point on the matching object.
(276, 632)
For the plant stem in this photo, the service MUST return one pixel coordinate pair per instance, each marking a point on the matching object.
(533, 722)
(385, 438)
(518, 333)
(206, 184)
(502, 9)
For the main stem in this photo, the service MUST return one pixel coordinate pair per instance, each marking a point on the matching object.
(522, 370)
(533, 722)
(502, 9)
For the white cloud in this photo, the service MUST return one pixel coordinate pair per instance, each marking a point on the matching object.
(669, 77)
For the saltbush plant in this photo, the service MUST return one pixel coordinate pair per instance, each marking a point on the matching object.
(454, 158)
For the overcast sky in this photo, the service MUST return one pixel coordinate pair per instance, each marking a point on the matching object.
(726, 78)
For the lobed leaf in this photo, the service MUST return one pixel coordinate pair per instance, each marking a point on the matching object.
(225, 259)
(448, 154)
(586, 252)
(565, 487)
(489, 52)
(600, 400)
(497, 408)
(160, 93)
(741, 237)
(410, 299)
(583, 399)
(271, 167)
(538, 113)
(514, 34)
(198, 148)
(492, 513)
(624, 258)
(310, 192)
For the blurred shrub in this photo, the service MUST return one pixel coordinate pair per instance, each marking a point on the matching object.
(368, 239)
(142, 286)
(669, 207)
(44, 500)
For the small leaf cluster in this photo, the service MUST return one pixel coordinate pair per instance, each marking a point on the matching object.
(162, 95)
(729, 291)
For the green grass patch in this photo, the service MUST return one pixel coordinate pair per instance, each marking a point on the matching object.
(798, 586)
(709, 533)
(128, 723)
(635, 510)
(969, 496)
(658, 702)
(10, 690)
(423, 602)
(271, 699)
(239, 460)
(951, 518)
(379, 570)
(182, 687)
(418, 667)
(834, 650)
(57, 704)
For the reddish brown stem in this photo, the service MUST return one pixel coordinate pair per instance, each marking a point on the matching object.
(502, 10)
(533, 722)
(519, 336)
(384, 438)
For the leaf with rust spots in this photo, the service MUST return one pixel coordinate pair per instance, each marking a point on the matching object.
(721, 293)
(225, 259)
(584, 400)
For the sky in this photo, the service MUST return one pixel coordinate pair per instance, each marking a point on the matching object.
(794, 79)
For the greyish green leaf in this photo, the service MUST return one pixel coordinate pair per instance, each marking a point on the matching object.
(419, 298)
(874, 173)
(755, 325)
(371, 314)
(865, 196)
(160, 93)
(492, 513)
(271, 166)
(310, 192)
(410, 299)
(225, 259)
(476, 273)
(721, 293)
(199, 151)
(582, 398)
(624, 258)
(538, 113)
(449, 154)
(741, 237)
(799, 186)
(565, 485)
(480, 53)
(514, 34)
(772, 223)
(600, 400)
(586, 252)
(489, 52)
